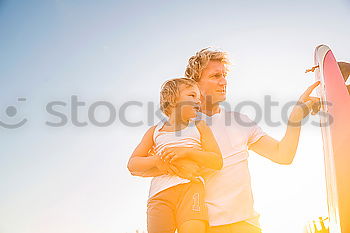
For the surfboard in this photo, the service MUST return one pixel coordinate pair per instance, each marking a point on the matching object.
(335, 128)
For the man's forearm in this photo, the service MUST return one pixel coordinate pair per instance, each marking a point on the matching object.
(206, 159)
(287, 147)
(283, 151)
(150, 166)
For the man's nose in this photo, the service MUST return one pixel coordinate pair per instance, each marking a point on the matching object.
(223, 81)
(198, 101)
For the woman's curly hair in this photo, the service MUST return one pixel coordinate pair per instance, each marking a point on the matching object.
(200, 60)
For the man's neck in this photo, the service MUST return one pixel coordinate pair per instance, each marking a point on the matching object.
(210, 110)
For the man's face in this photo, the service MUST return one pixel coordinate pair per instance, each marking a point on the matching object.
(212, 83)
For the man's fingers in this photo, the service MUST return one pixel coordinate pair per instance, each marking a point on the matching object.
(313, 106)
(173, 159)
(151, 152)
(169, 156)
(310, 89)
(309, 104)
(166, 152)
(314, 99)
(163, 155)
(172, 170)
(316, 107)
(163, 166)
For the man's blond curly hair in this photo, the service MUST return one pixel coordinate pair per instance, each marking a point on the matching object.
(170, 91)
(200, 60)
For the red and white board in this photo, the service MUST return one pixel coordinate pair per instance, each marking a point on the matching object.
(335, 126)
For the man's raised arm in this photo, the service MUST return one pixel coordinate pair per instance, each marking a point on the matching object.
(283, 151)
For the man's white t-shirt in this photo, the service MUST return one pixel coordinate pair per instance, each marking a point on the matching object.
(228, 191)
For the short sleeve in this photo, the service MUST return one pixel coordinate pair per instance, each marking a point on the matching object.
(254, 132)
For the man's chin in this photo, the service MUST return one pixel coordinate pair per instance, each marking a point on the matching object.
(221, 99)
(215, 99)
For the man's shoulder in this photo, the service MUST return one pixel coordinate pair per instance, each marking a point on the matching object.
(239, 118)
(236, 115)
(233, 113)
(230, 118)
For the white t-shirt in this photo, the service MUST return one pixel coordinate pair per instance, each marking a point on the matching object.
(228, 191)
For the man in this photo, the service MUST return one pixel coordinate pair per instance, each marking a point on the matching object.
(228, 191)
(229, 197)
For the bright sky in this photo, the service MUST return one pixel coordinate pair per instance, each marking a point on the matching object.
(74, 179)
